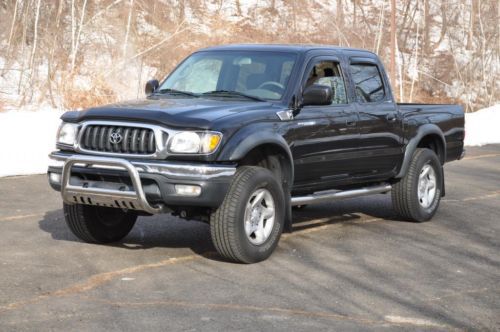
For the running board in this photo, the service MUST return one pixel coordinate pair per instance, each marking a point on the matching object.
(321, 197)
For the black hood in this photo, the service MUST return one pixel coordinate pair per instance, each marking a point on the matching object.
(187, 113)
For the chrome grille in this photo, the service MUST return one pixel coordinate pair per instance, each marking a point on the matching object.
(118, 139)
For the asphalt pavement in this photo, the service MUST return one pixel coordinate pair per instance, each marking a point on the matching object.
(348, 265)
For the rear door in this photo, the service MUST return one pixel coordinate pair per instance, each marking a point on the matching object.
(325, 137)
(379, 124)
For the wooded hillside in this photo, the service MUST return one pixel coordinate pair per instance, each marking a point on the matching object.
(77, 53)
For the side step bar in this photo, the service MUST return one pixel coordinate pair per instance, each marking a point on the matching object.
(325, 196)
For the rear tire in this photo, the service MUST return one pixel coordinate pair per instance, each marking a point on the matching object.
(95, 224)
(247, 226)
(417, 195)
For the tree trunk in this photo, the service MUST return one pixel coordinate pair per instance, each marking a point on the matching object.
(238, 7)
(77, 41)
(13, 24)
(393, 43)
(50, 69)
(340, 14)
(427, 26)
(472, 19)
(354, 20)
(128, 27)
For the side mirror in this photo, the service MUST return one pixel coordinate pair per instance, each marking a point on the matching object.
(151, 86)
(317, 95)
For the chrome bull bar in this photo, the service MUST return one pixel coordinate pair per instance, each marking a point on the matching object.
(135, 199)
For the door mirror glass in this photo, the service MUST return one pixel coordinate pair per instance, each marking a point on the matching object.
(317, 94)
(151, 86)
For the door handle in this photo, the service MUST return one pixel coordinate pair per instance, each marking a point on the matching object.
(391, 117)
(350, 123)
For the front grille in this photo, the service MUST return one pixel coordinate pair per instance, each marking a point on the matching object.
(118, 139)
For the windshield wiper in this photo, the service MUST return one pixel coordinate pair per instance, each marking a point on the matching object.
(232, 93)
(173, 91)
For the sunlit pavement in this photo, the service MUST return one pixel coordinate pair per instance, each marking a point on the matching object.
(348, 265)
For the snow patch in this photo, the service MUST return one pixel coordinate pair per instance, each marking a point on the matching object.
(26, 139)
(481, 127)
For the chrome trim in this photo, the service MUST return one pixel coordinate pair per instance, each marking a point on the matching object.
(169, 169)
(321, 197)
(136, 199)
(285, 115)
(174, 171)
(162, 148)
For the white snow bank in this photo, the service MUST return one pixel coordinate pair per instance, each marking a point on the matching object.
(483, 127)
(26, 138)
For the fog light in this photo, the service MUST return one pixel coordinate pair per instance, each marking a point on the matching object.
(187, 190)
(55, 178)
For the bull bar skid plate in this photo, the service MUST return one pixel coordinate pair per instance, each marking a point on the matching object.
(135, 199)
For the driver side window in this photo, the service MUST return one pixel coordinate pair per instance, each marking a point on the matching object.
(328, 73)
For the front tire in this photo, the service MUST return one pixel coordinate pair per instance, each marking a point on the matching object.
(417, 195)
(247, 226)
(96, 224)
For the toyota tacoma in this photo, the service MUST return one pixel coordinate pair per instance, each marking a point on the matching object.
(237, 135)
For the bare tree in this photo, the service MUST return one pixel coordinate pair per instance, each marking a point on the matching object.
(393, 43)
(427, 26)
(77, 41)
(238, 7)
(131, 6)
(340, 14)
(470, 35)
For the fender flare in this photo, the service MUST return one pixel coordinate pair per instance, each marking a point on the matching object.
(424, 130)
(248, 139)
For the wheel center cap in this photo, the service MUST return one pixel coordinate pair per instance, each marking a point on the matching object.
(255, 217)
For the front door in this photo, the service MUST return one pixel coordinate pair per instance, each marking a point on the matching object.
(325, 137)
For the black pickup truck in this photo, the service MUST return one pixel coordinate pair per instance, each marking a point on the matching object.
(238, 135)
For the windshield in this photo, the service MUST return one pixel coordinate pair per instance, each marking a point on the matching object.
(263, 75)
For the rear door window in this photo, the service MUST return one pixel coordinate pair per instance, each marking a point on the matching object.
(368, 83)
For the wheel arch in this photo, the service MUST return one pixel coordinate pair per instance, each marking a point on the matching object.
(428, 136)
(263, 143)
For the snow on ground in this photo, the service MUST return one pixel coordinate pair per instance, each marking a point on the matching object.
(482, 127)
(26, 138)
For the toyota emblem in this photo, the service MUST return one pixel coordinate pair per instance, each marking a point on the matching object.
(115, 137)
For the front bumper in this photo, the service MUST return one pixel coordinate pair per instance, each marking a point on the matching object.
(142, 185)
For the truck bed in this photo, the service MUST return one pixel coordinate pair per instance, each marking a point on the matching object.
(449, 118)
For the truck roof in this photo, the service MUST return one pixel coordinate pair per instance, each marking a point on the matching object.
(297, 48)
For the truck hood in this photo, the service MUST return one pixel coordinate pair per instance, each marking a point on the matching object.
(194, 113)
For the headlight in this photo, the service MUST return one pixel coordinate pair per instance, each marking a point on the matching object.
(67, 133)
(195, 142)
